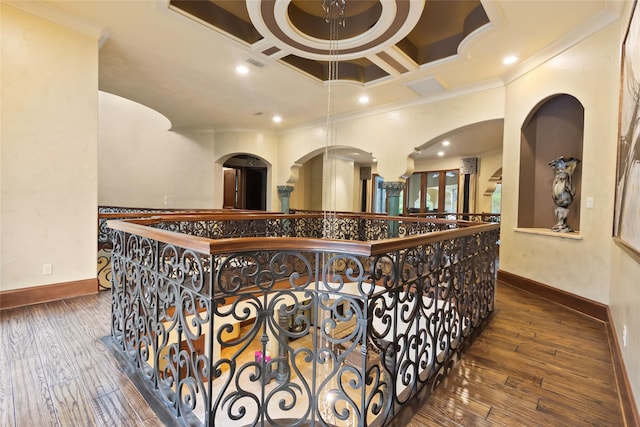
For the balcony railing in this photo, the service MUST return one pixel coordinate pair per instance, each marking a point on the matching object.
(290, 329)
(105, 244)
(474, 217)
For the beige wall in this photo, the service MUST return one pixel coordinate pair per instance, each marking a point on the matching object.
(592, 266)
(488, 164)
(143, 164)
(326, 185)
(392, 135)
(624, 304)
(49, 87)
(314, 169)
(624, 294)
(337, 185)
(300, 196)
(582, 267)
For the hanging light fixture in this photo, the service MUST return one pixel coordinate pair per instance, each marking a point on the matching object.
(334, 16)
(334, 10)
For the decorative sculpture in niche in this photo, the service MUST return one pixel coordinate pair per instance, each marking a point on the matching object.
(563, 190)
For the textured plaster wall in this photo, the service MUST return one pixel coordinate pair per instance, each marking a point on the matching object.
(582, 266)
(593, 267)
(391, 136)
(338, 189)
(144, 164)
(488, 164)
(624, 295)
(624, 305)
(48, 151)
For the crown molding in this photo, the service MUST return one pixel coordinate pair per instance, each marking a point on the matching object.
(62, 18)
(609, 14)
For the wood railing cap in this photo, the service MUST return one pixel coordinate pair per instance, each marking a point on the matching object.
(141, 228)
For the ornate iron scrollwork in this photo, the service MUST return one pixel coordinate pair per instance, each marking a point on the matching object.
(289, 337)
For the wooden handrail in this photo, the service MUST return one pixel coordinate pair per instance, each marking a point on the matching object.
(141, 227)
(226, 216)
(169, 212)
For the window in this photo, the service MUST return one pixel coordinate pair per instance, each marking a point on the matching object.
(496, 199)
(379, 195)
(433, 191)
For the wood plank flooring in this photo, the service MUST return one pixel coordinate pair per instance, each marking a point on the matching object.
(536, 364)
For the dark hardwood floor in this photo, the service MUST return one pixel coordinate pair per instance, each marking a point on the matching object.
(536, 364)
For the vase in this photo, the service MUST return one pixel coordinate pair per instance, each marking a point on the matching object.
(563, 191)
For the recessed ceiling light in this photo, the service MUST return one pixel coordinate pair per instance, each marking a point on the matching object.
(277, 119)
(242, 69)
(445, 143)
(440, 153)
(363, 99)
(511, 59)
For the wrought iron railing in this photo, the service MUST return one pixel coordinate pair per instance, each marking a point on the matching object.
(474, 217)
(105, 244)
(296, 330)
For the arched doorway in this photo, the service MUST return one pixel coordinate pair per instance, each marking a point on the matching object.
(245, 183)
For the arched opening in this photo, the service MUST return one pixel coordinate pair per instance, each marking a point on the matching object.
(554, 129)
(338, 179)
(245, 183)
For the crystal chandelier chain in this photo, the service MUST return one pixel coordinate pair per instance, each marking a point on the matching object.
(334, 10)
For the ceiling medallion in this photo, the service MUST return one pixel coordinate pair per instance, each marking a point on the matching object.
(373, 26)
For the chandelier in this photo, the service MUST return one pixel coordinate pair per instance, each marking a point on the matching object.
(334, 16)
(334, 10)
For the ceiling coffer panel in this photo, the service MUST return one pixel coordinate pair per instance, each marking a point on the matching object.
(441, 28)
(357, 70)
(230, 17)
(436, 31)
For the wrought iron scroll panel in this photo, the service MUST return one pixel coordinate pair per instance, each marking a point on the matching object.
(291, 337)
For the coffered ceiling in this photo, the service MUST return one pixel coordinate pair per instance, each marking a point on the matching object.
(179, 57)
(378, 40)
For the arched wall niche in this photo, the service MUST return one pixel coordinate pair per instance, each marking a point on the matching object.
(554, 128)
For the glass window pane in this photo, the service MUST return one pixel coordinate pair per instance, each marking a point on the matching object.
(451, 191)
(496, 199)
(413, 191)
(380, 198)
(433, 190)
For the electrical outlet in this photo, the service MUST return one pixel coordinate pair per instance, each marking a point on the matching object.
(589, 202)
(624, 336)
(47, 269)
